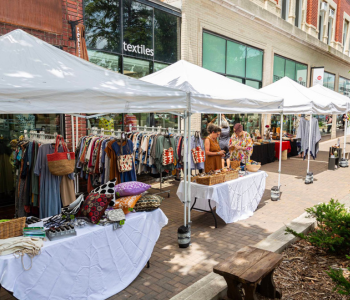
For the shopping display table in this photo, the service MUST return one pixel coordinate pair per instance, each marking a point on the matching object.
(264, 153)
(285, 146)
(96, 264)
(235, 200)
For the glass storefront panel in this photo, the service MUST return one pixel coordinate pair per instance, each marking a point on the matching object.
(102, 22)
(254, 64)
(105, 60)
(290, 69)
(285, 67)
(240, 80)
(214, 51)
(329, 81)
(344, 86)
(301, 75)
(158, 66)
(236, 57)
(136, 68)
(137, 29)
(278, 68)
(254, 84)
(166, 32)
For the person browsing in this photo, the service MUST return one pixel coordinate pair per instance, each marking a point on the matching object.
(241, 144)
(213, 153)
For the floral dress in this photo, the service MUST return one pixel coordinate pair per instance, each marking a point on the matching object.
(244, 141)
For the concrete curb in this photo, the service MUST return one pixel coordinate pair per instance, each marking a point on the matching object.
(214, 287)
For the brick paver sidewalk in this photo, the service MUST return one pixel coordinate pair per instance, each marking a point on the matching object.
(173, 269)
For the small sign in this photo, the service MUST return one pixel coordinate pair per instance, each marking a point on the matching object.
(138, 49)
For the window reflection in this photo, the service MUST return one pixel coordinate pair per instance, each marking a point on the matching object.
(136, 68)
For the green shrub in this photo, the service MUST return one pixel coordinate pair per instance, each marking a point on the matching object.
(342, 284)
(333, 227)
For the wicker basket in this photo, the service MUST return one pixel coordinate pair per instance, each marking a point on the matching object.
(194, 178)
(211, 180)
(12, 228)
(231, 175)
(253, 168)
(235, 164)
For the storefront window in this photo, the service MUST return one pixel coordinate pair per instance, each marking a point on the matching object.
(329, 81)
(214, 49)
(136, 68)
(102, 21)
(285, 67)
(166, 32)
(344, 86)
(145, 32)
(237, 61)
(158, 66)
(137, 27)
(105, 60)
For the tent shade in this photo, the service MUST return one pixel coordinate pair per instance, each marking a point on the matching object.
(299, 99)
(340, 102)
(36, 77)
(214, 93)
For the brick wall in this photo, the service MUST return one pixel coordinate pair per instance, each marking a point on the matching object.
(343, 6)
(68, 128)
(71, 10)
(312, 12)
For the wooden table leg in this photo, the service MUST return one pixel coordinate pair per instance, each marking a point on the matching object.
(267, 287)
(249, 291)
(233, 291)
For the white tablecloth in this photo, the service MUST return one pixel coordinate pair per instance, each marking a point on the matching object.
(96, 264)
(235, 200)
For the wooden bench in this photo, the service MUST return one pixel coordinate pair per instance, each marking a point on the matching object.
(253, 268)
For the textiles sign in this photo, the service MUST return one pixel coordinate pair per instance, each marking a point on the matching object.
(317, 76)
(138, 49)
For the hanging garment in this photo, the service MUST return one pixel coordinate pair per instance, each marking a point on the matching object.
(127, 149)
(224, 141)
(303, 137)
(50, 195)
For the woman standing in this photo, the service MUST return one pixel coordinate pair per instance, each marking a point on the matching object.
(241, 145)
(213, 153)
(224, 141)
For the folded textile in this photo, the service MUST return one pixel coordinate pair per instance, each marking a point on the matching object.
(21, 245)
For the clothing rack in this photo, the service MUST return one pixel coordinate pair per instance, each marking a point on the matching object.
(41, 136)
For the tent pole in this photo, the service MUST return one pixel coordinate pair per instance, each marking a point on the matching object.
(345, 127)
(280, 156)
(185, 169)
(77, 140)
(308, 154)
(73, 137)
(189, 170)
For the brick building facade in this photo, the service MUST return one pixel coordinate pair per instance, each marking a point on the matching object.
(59, 35)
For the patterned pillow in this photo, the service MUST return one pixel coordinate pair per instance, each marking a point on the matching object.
(126, 202)
(107, 189)
(131, 188)
(148, 203)
(94, 207)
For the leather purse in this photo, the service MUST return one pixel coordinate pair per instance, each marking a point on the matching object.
(197, 151)
(124, 161)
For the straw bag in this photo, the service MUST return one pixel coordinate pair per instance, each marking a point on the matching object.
(124, 160)
(197, 152)
(61, 163)
(168, 154)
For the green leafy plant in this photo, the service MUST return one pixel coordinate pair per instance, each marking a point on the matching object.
(333, 227)
(342, 284)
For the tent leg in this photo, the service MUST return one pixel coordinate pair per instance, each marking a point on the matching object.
(309, 175)
(276, 190)
(76, 143)
(189, 172)
(345, 127)
(185, 171)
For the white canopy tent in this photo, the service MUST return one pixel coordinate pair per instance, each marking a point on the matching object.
(213, 93)
(209, 92)
(36, 77)
(340, 100)
(301, 100)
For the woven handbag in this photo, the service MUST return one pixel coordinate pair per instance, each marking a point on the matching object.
(197, 152)
(61, 163)
(124, 160)
(168, 154)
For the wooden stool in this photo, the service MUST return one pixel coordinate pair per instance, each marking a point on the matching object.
(253, 268)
